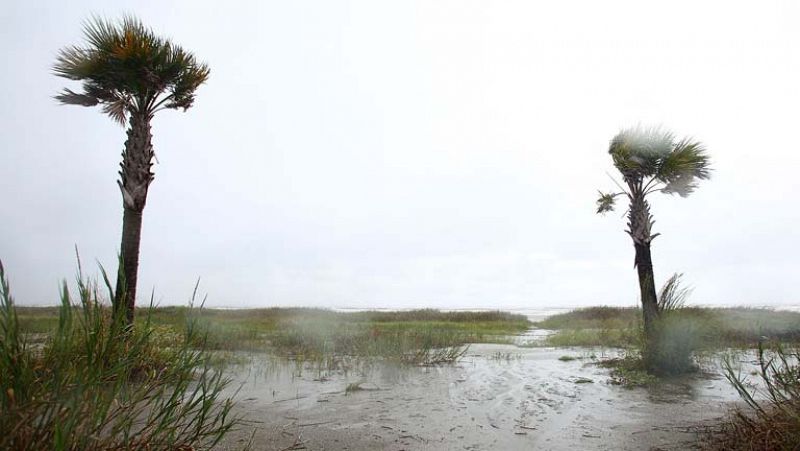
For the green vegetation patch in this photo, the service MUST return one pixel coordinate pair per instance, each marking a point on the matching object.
(594, 318)
(709, 328)
(424, 336)
(629, 372)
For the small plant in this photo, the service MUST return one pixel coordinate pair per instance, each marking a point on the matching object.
(629, 372)
(771, 419)
(567, 358)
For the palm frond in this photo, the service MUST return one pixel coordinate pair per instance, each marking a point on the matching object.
(73, 63)
(683, 167)
(116, 110)
(186, 84)
(128, 68)
(636, 151)
(69, 97)
(673, 296)
(605, 202)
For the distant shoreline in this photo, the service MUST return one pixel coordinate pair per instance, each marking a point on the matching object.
(533, 314)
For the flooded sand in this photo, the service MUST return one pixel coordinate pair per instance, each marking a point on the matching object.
(498, 397)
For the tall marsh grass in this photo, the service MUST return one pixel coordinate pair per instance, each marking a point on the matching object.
(410, 345)
(94, 385)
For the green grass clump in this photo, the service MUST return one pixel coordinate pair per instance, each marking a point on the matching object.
(629, 371)
(93, 384)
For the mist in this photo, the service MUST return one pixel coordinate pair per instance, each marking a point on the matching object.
(416, 154)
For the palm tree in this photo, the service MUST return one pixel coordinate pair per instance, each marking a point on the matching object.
(131, 74)
(651, 160)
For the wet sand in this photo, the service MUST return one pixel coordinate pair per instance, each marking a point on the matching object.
(498, 397)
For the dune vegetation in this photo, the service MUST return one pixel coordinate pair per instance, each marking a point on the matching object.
(87, 382)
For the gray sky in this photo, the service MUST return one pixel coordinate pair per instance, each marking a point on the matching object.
(410, 154)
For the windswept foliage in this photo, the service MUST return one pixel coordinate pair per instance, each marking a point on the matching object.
(652, 160)
(673, 295)
(126, 69)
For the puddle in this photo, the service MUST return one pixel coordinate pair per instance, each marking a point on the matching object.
(496, 397)
(532, 337)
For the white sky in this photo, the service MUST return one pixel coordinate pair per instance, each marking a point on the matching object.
(413, 154)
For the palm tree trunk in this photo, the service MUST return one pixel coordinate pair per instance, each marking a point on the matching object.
(129, 263)
(640, 223)
(647, 287)
(135, 178)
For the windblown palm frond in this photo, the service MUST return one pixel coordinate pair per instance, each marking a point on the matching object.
(637, 151)
(680, 169)
(673, 296)
(651, 158)
(70, 97)
(605, 202)
(127, 69)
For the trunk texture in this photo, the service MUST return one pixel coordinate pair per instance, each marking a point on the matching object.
(129, 263)
(647, 286)
(640, 223)
(135, 178)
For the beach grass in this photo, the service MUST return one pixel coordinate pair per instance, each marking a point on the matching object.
(75, 378)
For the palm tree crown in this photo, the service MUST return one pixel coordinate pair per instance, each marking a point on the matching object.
(127, 69)
(650, 160)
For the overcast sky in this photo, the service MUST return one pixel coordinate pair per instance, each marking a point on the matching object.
(413, 154)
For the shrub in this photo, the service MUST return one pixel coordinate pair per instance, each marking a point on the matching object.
(676, 334)
(675, 339)
(771, 418)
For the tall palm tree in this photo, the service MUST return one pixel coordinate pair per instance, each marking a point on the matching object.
(651, 160)
(131, 74)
